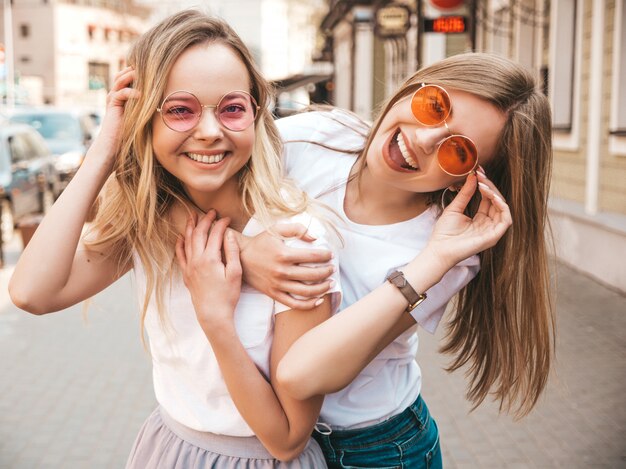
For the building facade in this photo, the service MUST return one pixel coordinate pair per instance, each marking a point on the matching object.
(68, 51)
(577, 51)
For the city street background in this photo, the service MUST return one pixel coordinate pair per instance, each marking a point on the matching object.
(75, 387)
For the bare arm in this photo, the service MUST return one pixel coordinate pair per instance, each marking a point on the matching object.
(283, 424)
(56, 270)
(363, 329)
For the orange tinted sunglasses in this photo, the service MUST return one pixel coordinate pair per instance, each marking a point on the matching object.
(431, 106)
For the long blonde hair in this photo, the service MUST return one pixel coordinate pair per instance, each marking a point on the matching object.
(503, 326)
(135, 203)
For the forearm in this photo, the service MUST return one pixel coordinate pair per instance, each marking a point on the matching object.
(45, 265)
(357, 334)
(282, 432)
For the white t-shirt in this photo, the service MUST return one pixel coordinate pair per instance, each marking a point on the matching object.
(392, 381)
(188, 382)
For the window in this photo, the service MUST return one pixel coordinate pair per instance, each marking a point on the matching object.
(24, 30)
(618, 112)
(563, 64)
(98, 75)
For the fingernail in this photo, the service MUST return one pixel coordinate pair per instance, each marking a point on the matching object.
(332, 284)
(484, 186)
(334, 268)
(319, 301)
(496, 196)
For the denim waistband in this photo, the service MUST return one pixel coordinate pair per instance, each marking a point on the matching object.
(415, 414)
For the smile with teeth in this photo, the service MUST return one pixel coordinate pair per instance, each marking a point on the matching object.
(210, 159)
(405, 152)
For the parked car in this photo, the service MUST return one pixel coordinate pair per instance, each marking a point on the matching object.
(68, 134)
(27, 172)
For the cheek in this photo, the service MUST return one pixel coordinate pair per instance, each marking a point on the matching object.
(245, 141)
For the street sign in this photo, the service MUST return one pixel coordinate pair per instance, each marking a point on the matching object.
(392, 20)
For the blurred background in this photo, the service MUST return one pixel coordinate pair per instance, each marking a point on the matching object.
(58, 58)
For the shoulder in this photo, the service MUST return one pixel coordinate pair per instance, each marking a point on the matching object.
(318, 126)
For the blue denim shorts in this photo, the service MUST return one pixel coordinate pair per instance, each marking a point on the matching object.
(407, 440)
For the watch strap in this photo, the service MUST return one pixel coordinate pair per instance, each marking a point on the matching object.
(398, 279)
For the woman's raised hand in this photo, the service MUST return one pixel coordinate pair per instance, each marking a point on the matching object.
(213, 279)
(456, 236)
(110, 134)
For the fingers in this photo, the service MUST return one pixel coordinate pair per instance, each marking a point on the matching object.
(180, 252)
(492, 199)
(307, 291)
(231, 256)
(294, 303)
(305, 256)
(307, 274)
(188, 234)
(464, 196)
(200, 234)
(121, 90)
(293, 230)
(216, 238)
(482, 178)
(124, 78)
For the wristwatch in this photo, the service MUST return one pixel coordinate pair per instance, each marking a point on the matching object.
(397, 278)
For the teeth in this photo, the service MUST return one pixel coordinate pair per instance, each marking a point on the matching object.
(210, 159)
(405, 152)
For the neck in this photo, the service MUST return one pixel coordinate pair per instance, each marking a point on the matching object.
(227, 202)
(372, 203)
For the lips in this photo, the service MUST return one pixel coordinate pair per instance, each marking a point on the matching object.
(398, 155)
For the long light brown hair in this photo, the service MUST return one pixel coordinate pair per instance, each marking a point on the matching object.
(503, 325)
(135, 204)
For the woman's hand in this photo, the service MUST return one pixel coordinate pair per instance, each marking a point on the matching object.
(274, 269)
(213, 280)
(109, 137)
(456, 236)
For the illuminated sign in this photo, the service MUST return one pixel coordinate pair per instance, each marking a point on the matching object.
(446, 24)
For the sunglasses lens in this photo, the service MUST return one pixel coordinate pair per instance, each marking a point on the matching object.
(431, 105)
(237, 111)
(181, 111)
(457, 155)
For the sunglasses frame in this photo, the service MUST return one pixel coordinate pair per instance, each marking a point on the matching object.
(443, 121)
(214, 106)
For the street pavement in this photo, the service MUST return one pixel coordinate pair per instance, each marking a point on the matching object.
(75, 387)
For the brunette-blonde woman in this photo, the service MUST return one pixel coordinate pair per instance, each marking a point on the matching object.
(471, 113)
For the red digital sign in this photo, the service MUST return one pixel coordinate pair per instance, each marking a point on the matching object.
(446, 24)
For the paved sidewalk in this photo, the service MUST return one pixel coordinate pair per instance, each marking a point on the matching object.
(580, 421)
(75, 389)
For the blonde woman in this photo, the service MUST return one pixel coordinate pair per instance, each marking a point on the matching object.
(471, 113)
(196, 134)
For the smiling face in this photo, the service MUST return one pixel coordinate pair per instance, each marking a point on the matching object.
(207, 158)
(403, 152)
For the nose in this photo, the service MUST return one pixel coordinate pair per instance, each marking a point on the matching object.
(208, 127)
(427, 138)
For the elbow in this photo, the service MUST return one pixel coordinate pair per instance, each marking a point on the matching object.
(24, 300)
(294, 382)
(288, 453)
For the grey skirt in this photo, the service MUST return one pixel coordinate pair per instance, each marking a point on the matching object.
(164, 443)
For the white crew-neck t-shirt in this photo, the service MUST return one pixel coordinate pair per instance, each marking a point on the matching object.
(392, 381)
(188, 382)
